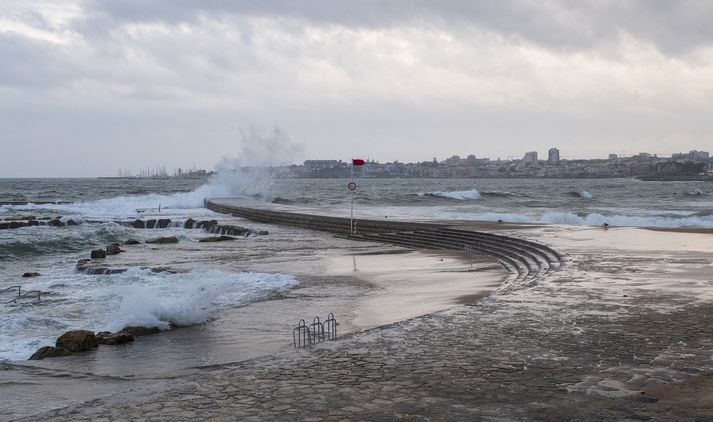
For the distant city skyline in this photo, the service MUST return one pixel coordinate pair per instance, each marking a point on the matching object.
(87, 86)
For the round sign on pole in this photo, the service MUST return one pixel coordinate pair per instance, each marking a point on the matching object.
(351, 186)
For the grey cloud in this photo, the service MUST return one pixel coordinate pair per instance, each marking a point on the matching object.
(674, 26)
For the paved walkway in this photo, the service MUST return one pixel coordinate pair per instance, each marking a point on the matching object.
(527, 356)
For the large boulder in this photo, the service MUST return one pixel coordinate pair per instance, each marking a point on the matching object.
(113, 249)
(189, 223)
(216, 239)
(98, 253)
(132, 242)
(109, 338)
(4, 226)
(72, 223)
(138, 224)
(49, 352)
(150, 224)
(31, 274)
(17, 224)
(77, 341)
(206, 224)
(163, 240)
(56, 222)
(139, 331)
(164, 223)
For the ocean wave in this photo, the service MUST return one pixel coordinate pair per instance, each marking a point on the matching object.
(499, 194)
(41, 240)
(580, 194)
(135, 298)
(465, 195)
(227, 184)
(597, 219)
(164, 300)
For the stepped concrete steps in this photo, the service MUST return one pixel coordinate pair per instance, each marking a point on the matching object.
(538, 260)
(534, 258)
(554, 257)
(515, 263)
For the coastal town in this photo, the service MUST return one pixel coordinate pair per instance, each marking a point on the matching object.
(693, 165)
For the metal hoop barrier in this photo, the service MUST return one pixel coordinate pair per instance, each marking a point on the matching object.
(352, 186)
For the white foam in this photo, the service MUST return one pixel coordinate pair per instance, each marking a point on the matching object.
(585, 195)
(135, 298)
(593, 219)
(465, 195)
(255, 183)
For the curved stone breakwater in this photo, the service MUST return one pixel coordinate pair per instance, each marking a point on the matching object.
(525, 260)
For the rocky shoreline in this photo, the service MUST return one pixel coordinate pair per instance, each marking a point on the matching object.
(77, 341)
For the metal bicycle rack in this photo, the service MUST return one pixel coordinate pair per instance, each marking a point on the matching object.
(306, 335)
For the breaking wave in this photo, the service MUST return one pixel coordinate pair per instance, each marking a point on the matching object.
(465, 195)
(583, 194)
(226, 184)
(135, 298)
(597, 219)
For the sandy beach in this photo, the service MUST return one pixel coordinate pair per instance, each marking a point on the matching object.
(619, 332)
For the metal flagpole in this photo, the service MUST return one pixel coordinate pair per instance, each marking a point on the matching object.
(351, 217)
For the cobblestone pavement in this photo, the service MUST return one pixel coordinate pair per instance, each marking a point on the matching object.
(498, 360)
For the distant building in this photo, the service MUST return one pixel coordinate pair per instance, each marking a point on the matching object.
(553, 156)
(530, 158)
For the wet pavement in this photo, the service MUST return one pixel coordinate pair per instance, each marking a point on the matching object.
(623, 332)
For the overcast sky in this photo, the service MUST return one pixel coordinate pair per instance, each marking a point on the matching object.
(88, 87)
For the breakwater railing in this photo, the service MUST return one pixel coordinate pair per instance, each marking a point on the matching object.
(304, 335)
(36, 294)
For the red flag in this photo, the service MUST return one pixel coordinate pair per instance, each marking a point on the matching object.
(358, 162)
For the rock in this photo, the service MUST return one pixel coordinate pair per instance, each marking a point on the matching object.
(163, 240)
(55, 222)
(138, 224)
(4, 226)
(109, 338)
(150, 224)
(98, 253)
(31, 274)
(33, 223)
(263, 232)
(216, 239)
(139, 331)
(163, 223)
(82, 264)
(77, 341)
(189, 223)
(165, 270)
(72, 223)
(103, 270)
(205, 224)
(49, 352)
(113, 249)
(17, 224)
(132, 242)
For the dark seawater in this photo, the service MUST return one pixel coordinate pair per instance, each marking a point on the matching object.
(143, 298)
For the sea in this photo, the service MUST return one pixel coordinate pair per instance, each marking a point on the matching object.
(145, 297)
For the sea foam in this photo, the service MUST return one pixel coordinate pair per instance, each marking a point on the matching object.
(135, 298)
(465, 195)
